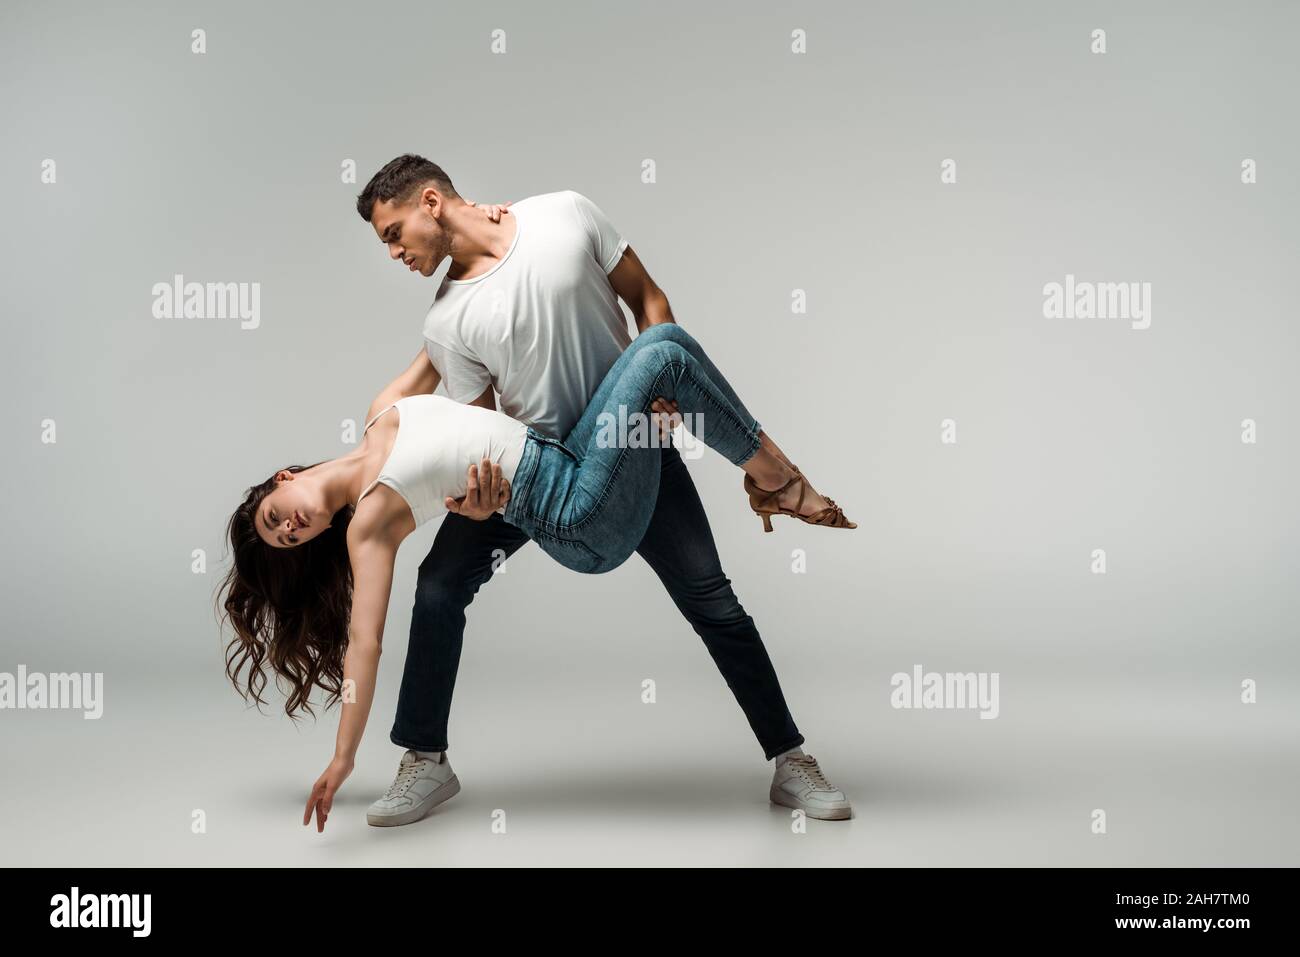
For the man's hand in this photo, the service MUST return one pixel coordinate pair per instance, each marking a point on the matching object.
(493, 210)
(666, 416)
(486, 490)
(322, 792)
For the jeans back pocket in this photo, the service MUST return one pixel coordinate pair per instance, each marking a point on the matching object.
(570, 553)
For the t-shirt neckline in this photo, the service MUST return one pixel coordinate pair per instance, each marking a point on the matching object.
(501, 262)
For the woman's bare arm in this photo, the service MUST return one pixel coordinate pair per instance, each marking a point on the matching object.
(372, 556)
(372, 582)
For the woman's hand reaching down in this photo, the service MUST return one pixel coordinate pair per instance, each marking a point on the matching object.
(322, 792)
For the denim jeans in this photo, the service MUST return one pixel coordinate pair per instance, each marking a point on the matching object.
(588, 500)
(677, 544)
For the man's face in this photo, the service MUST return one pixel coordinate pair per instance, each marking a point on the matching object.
(413, 230)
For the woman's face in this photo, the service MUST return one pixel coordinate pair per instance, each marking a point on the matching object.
(294, 512)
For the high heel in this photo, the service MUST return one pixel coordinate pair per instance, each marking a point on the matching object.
(766, 503)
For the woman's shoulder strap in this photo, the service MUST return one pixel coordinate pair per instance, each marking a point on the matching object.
(376, 417)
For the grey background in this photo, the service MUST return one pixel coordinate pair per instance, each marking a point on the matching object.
(775, 172)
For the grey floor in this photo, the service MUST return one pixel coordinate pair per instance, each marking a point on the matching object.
(586, 774)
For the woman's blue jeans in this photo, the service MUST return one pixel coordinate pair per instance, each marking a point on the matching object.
(677, 547)
(588, 500)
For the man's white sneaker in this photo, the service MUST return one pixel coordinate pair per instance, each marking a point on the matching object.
(420, 786)
(800, 783)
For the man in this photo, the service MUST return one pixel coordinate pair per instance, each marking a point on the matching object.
(529, 308)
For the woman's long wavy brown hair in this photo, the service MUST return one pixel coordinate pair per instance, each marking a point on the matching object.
(289, 606)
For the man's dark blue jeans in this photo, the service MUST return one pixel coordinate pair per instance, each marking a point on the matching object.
(678, 545)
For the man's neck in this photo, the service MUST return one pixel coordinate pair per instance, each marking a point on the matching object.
(477, 243)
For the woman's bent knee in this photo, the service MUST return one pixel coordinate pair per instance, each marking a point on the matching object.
(668, 332)
(663, 352)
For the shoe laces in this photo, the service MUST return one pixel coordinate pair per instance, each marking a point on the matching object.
(407, 772)
(806, 765)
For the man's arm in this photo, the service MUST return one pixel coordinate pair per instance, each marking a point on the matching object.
(644, 298)
(486, 489)
(419, 378)
(487, 492)
(650, 307)
(487, 400)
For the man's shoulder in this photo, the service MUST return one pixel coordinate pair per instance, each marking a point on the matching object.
(555, 196)
(562, 200)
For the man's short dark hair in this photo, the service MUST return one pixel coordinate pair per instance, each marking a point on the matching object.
(400, 179)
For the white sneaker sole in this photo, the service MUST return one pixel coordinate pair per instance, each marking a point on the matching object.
(786, 799)
(440, 794)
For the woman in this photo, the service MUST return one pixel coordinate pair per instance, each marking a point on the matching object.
(314, 547)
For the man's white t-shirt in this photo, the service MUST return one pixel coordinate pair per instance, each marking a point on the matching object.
(542, 326)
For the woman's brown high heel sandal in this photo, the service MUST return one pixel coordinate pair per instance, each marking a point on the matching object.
(766, 503)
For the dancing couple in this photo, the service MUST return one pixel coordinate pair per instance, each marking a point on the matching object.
(528, 309)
